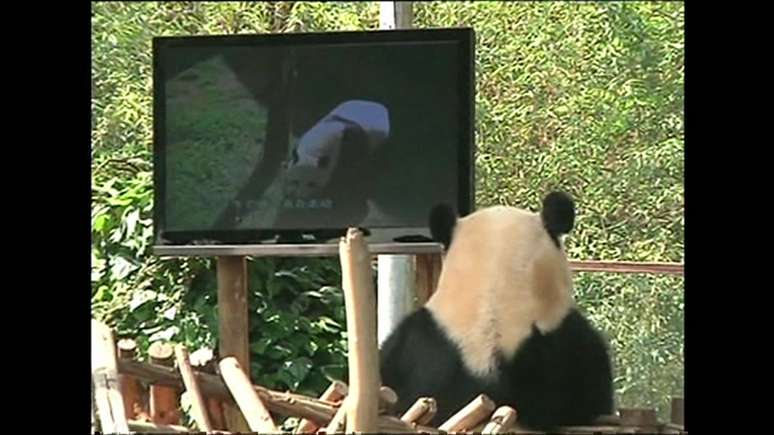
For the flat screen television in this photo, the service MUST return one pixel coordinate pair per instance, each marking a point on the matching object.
(293, 138)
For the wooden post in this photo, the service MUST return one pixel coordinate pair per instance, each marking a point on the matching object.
(254, 410)
(678, 411)
(130, 387)
(360, 304)
(198, 406)
(428, 269)
(104, 374)
(233, 327)
(164, 400)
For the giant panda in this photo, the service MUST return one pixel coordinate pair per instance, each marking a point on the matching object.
(503, 322)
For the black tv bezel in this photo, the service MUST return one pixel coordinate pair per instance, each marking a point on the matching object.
(464, 37)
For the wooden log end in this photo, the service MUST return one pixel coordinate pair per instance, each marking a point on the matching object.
(502, 420)
(388, 398)
(127, 348)
(421, 412)
(161, 353)
(471, 415)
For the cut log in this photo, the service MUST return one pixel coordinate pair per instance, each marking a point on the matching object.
(339, 420)
(200, 414)
(204, 360)
(163, 400)
(388, 398)
(502, 420)
(421, 412)
(335, 392)
(131, 390)
(253, 409)
(471, 415)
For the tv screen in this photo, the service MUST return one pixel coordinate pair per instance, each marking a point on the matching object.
(296, 137)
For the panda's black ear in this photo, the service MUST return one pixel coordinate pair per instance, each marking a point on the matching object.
(558, 213)
(443, 218)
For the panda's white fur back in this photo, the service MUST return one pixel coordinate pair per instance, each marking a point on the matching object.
(502, 275)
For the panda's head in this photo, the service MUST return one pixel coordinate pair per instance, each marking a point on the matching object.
(504, 272)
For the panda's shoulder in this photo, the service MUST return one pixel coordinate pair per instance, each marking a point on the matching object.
(418, 329)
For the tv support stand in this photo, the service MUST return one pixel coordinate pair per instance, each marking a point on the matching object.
(411, 276)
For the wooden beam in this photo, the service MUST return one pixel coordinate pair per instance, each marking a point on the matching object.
(363, 359)
(233, 327)
(104, 374)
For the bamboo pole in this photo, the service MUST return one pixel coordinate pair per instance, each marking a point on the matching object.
(192, 387)
(104, 374)
(360, 304)
(253, 409)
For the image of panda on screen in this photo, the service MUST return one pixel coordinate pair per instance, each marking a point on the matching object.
(330, 166)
